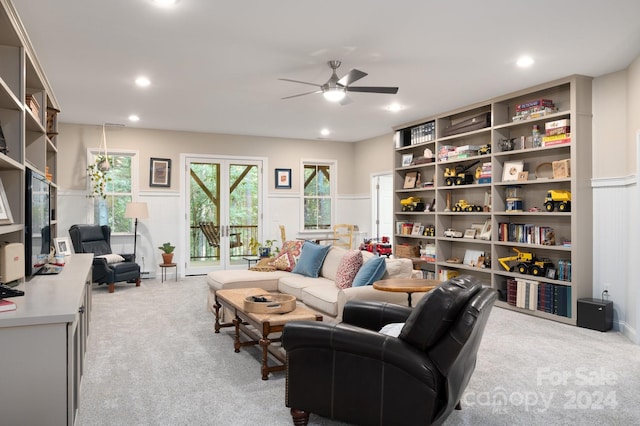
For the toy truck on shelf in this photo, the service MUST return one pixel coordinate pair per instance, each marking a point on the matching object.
(463, 206)
(412, 204)
(558, 199)
(527, 263)
(382, 247)
(459, 175)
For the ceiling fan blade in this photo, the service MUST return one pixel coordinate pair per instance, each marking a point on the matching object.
(352, 76)
(387, 90)
(301, 82)
(302, 94)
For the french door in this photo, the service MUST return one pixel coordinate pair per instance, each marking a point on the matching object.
(382, 206)
(223, 211)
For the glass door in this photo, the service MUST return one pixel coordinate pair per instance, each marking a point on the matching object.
(224, 211)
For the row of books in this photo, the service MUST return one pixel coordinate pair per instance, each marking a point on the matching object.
(526, 233)
(423, 133)
(486, 173)
(534, 109)
(534, 295)
(557, 132)
(564, 269)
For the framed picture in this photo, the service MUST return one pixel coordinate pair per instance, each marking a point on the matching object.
(160, 172)
(551, 273)
(410, 180)
(470, 233)
(63, 246)
(407, 159)
(511, 170)
(416, 229)
(283, 178)
(5, 212)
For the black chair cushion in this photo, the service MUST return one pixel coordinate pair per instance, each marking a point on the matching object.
(436, 311)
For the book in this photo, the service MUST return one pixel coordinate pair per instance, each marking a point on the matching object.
(7, 305)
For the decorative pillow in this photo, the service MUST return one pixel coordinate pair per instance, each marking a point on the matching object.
(349, 266)
(288, 256)
(370, 272)
(112, 258)
(311, 259)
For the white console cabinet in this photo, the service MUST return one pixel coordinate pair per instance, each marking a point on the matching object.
(42, 347)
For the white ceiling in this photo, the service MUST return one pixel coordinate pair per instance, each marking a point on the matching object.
(214, 65)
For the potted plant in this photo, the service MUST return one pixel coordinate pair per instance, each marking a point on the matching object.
(263, 250)
(98, 175)
(167, 252)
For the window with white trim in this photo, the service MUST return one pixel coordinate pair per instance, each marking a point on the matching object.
(318, 183)
(119, 190)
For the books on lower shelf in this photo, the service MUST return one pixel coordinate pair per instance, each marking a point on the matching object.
(526, 233)
(534, 295)
(7, 305)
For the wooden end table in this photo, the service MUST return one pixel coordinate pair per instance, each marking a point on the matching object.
(406, 285)
(262, 325)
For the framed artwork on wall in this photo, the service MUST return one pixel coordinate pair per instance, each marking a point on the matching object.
(283, 178)
(160, 172)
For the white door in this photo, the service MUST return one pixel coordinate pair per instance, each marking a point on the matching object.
(382, 203)
(223, 211)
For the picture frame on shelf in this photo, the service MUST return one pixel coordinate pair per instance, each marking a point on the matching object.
(160, 172)
(5, 211)
(62, 246)
(410, 180)
(485, 232)
(283, 178)
(469, 233)
(471, 257)
(511, 170)
(407, 159)
(523, 176)
(551, 273)
(417, 229)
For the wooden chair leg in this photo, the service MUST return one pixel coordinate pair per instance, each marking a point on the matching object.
(138, 282)
(300, 417)
(112, 287)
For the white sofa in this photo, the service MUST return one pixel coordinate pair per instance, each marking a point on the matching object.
(319, 294)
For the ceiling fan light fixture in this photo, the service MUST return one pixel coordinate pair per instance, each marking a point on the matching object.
(335, 94)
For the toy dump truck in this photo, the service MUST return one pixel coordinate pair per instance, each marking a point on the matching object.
(459, 175)
(463, 206)
(527, 263)
(412, 204)
(558, 199)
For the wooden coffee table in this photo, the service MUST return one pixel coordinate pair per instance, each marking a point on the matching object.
(258, 327)
(406, 285)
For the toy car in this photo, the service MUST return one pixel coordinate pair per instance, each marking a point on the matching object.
(463, 206)
(452, 233)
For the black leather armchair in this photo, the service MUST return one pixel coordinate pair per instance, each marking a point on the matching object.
(352, 373)
(96, 239)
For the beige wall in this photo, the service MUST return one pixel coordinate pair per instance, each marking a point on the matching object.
(372, 156)
(633, 114)
(281, 153)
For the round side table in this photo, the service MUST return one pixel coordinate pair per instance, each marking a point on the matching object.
(164, 267)
(406, 285)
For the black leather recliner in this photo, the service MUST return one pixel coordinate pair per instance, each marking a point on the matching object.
(352, 373)
(96, 239)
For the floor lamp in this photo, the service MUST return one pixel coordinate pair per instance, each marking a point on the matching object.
(136, 211)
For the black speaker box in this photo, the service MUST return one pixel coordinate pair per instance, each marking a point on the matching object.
(596, 314)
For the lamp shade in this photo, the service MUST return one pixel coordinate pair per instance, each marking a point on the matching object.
(136, 211)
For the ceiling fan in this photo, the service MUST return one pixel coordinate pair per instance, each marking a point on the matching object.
(335, 89)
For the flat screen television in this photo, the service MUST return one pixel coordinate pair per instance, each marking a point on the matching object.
(37, 222)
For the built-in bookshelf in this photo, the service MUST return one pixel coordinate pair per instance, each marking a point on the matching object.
(28, 118)
(476, 180)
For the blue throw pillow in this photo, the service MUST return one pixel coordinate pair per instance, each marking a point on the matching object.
(311, 259)
(370, 272)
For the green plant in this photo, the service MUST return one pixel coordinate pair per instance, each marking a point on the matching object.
(167, 248)
(254, 245)
(98, 176)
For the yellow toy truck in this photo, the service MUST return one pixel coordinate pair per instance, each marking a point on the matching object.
(558, 199)
(412, 204)
(527, 263)
(463, 206)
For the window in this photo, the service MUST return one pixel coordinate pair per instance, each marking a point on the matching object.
(119, 191)
(319, 192)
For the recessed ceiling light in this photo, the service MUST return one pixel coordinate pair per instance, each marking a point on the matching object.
(325, 132)
(524, 61)
(134, 118)
(143, 81)
(395, 107)
(165, 3)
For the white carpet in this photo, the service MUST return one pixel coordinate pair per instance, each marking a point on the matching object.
(153, 359)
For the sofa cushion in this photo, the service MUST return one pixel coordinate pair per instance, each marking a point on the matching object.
(111, 258)
(310, 260)
(293, 284)
(241, 278)
(398, 268)
(371, 271)
(286, 260)
(331, 262)
(348, 269)
(323, 298)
